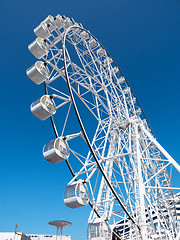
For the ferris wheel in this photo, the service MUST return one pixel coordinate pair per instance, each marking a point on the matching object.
(118, 168)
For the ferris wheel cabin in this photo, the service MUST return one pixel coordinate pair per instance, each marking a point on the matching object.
(98, 230)
(38, 48)
(101, 52)
(121, 80)
(138, 111)
(50, 22)
(43, 107)
(76, 194)
(56, 150)
(108, 61)
(67, 22)
(38, 73)
(58, 21)
(85, 35)
(42, 31)
(92, 43)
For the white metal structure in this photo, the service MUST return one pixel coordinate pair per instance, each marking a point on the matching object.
(60, 224)
(76, 194)
(112, 148)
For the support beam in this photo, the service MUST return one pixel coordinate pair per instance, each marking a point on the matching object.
(162, 150)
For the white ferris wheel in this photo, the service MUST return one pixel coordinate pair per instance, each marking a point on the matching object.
(101, 132)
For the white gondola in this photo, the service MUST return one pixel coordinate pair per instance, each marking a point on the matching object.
(92, 43)
(56, 150)
(38, 73)
(133, 100)
(50, 22)
(138, 111)
(84, 35)
(59, 21)
(67, 22)
(99, 230)
(42, 31)
(38, 48)
(127, 90)
(108, 61)
(115, 70)
(101, 52)
(43, 107)
(121, 80)
(76, 30)
(144, 122)
(76, 194)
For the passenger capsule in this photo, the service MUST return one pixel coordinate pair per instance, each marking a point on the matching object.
(138, 111)
(56, 150)
(121, 80)
(42, 31)
(84, 35)
(92, 43)
(115, 70)
(108, 61)
(99, 230)
(101, 52)
(59, 21)
(50, 22)
(127, 90)
(38, 48)
(43, 107)
(76, 30)
(38, 73)
(133, 100)
(67, 22)
(76, 194)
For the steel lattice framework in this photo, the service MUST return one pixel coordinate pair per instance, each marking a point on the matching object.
(128, 173)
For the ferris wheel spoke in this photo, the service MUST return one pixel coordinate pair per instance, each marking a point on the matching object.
(86, 86)
(91, 66)
(89, 105)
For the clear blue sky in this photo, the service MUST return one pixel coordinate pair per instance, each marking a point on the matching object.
(142, 36)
